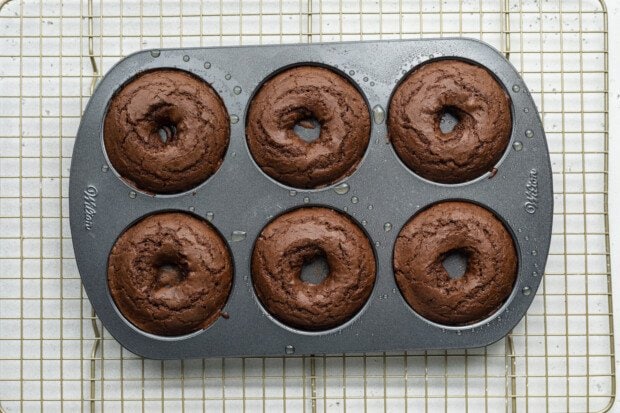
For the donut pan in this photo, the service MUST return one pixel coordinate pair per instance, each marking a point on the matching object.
(381, 195)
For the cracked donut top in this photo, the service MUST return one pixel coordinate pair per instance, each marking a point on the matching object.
(170, 274)
(445, 228)
(296, 238)
(166, 131)
(471, 96)
(295, 97)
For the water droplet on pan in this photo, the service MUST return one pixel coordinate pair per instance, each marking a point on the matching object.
(526, 110)
(210, 216)
(192, 209)
(155, 53)
(132, 194)
(370, 207)
(237, 90)
(341, 189)
(306, 200)
(377, 244)
(364, 222)
(207, 65)
(237, 236)
(186, 58)
(105, 168)
(529, 133)
(516, 88)
(517, 146)
(352, 72)
(378, 114)
(289, 349)
(534, 253)
(526, 290)
(354, 200)
(227, 76)
(365, 79)
(387, 227)
(234, 119)
(292, 192)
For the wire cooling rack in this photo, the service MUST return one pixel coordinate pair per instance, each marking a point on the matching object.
(54, 355)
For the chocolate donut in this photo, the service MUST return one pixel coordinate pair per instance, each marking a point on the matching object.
(294, 97)
(448, 227)
(471, 95)
(297, 238)
(166, 131)
(170, 274)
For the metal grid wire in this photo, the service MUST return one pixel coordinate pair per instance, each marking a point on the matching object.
(53, 353)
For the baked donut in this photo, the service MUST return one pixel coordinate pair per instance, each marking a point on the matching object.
(444, 228)
(471, 95)
(166, 131)
(294, 97)
(170, 274)
(297, 238)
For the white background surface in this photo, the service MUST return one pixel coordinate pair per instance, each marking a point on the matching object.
(614, 162)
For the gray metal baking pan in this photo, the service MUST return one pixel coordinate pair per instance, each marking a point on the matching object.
(382, 195)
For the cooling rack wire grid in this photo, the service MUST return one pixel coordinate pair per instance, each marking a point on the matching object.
(54, 354)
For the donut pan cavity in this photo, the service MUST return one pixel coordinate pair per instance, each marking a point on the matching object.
(382, 195)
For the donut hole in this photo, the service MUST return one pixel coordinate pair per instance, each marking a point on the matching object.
(307, 128)
(314, 268)
(169, 275)
(169, 270)
(455, 263)
(167, 133)
(449, 119)
(164, 123)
